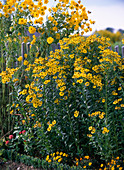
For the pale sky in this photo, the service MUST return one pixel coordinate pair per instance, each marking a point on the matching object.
(106, 13)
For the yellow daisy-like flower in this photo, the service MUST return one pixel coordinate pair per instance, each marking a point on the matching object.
(46, 1)
(50, 40)
(103, 100)
(61, 93)
(76, 113)
(59, 160)
(22, 21)
(20, 58)
(33, 115)
(90, 128)
(87, 84)
(93, 130)
(86, 157)
(25, 62)
(11, 112)
(105, 130)
(23, 122)
(57, 36)
(123, 41)
(89, 135)
(49, 129)
(32, 30)
(54, 122)
(90, 163)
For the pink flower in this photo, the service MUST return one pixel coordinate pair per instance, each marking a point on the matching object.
(7, 142)
(10, 136)
(23, 131)
(20, 133)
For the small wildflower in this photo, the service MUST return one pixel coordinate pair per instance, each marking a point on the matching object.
(10, 136)
(7, 142)
(20, 58)
(50, 40)
(76, 113)
(90, 163)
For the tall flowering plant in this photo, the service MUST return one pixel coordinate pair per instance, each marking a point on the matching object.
(68, 101)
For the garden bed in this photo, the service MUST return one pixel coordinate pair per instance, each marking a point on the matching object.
(63, 108)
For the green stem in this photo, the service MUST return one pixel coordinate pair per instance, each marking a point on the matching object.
(72, 127)
(106, 97)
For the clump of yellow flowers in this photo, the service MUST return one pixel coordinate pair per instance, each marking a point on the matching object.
(51, 125)
(56, 156)
(105, 130)
(74, 92)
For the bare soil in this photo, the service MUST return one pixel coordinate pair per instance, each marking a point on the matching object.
(16, 166)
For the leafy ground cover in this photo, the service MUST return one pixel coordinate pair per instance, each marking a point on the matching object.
(67, 105)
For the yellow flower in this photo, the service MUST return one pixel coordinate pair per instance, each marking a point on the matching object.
(87, 84)
(119, 88)
(23, 92)
(93, 130)
(90, 128)
(25, 62)
(20, 58)
(61, 153)
(50, 18)
(22, 21)
(103, 100)
(33, 115)
(71, 56)
(122, 105)
(32, 30)
(46, 81)
(50, 40)
(59, 160)
(90, 163)
(46, 1)
(13, 104)
(57, 36)
(39, 124)
(89, 135)
(80, 81)
(6, 15)
(54, 9)
(23, 122)
(123, 41)
(49, 129)
(86, 157)
(19, 33)
(11, 112)
(47, 158)
(57, 153)
(14, 80)
(55, 28)
(53, 122)
(105, 130)
(61, 93)
(17, 105)
(101, 116)
(76, 113)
